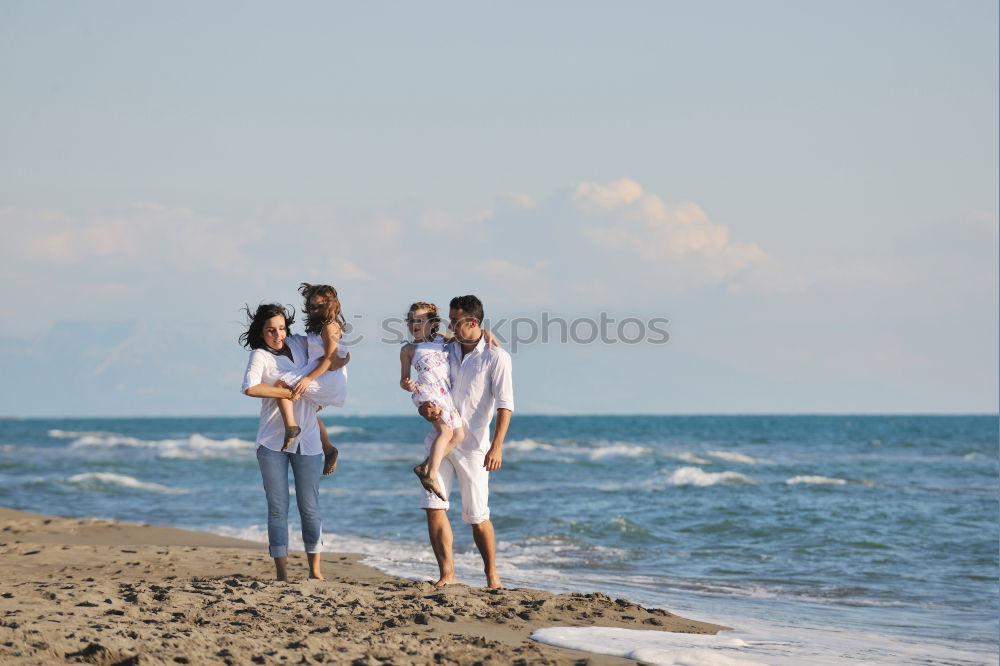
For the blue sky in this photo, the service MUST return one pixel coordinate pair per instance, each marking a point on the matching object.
(807, 191)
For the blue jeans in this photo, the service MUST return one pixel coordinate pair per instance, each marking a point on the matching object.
(274, 472)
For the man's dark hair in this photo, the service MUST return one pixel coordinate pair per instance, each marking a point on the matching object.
(253, 337)
(472, 306)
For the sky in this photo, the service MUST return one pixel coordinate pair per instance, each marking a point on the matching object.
(768, 207)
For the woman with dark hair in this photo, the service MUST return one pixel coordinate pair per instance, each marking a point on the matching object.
(274, 352)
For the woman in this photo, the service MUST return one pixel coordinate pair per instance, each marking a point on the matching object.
(276, 352)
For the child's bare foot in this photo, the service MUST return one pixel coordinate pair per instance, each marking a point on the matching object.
(291, 432)
(427, 481)
(330, 461)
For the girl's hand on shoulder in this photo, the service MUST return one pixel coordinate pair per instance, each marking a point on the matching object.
(490, 338)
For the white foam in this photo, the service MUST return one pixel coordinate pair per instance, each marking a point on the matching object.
(694, 476)
(618, 450)
(653, 647)
(756, 642)
(73, 434)
(193, 447)
(689, 457)
(527, 445)
(732, 456)
(549, 551)
(815, 480)
(97, 479)
(340, 430)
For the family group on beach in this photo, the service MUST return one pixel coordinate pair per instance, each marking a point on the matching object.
(457, 378)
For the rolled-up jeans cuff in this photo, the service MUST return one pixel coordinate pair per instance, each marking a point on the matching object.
(315, 548)
(278, 551)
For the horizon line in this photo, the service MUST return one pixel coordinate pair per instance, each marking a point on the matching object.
(561, 414)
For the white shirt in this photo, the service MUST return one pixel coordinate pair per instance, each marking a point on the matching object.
(265, 368)
(481, 383)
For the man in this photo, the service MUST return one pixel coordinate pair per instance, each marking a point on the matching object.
(480, 383)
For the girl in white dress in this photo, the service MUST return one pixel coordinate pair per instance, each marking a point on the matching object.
(427, 356)
(322, 387)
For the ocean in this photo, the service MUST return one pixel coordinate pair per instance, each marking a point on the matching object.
(819, 539)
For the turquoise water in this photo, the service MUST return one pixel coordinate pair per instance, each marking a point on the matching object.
(878, 526)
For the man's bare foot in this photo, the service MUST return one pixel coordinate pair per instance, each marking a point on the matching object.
(446, 580)
(291, 432)
(316, 575)
(330, 461)
(428, 481)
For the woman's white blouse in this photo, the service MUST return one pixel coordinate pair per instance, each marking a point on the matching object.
(265, 368)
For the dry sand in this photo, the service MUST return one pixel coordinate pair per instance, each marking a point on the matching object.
(105, 592)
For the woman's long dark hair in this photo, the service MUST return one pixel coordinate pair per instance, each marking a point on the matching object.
(253, 337)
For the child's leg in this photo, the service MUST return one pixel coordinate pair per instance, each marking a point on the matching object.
(427, 471)
(292, 429)
(441, 447)
(330, 452)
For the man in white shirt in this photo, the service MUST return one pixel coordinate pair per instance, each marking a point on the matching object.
(480, 384)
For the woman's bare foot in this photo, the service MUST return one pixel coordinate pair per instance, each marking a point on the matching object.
(314, 568)
(446, 580)
(428, 481)
(281, 568)
(493, 581)
(291, 432)
(330, 461)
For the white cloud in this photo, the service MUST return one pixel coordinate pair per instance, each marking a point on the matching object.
(519, 200)
(622, 218)
(507, 270)
(439, 220)
(342, 269)
(384, 228)
(141, 235)
(594, 197)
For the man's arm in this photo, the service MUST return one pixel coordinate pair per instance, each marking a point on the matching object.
(494, 456)
(502, 386)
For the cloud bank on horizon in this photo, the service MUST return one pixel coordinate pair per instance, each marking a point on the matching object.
(142, 300)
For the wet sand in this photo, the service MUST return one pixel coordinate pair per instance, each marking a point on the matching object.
(106, 592)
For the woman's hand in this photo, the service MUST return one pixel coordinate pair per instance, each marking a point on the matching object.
(408, 384)
(301, 387)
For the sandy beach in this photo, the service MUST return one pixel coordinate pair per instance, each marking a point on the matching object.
(106, 592)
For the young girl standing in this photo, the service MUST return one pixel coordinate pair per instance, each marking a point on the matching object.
(322, 387)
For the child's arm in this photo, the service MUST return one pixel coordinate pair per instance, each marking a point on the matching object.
(330, 336)
(405, 359)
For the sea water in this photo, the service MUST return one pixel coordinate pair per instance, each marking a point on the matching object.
(819, 539)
